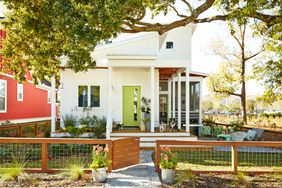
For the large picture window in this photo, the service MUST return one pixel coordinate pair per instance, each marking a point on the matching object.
(3, 96)
(95, 96)
(20, 92)
(88, 96)
(82, 96)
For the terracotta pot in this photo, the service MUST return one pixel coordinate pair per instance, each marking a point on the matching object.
(168, 175)
(100, 174)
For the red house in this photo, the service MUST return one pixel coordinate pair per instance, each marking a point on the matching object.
(23, 102)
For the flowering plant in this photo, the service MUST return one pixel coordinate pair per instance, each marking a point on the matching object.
(100, 157)
(169, 159)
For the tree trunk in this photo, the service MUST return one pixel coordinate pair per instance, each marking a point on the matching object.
(244, 102)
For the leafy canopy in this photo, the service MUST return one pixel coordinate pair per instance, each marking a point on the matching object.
(41, 32)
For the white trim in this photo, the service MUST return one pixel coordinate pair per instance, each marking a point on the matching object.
(179, 101)
(27, 120)
(152, 86)
(18, 91)
(169, 99)
(187, 100)
(173, 98)
(131, 57)
(6, 98)
(53, 104)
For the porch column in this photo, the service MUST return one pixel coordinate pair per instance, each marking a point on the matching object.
(187, 99)
(200, 106)
(53, 104)
(152, 73)
(169, 99)
(179, 101)
(173, 97)
(109, 116)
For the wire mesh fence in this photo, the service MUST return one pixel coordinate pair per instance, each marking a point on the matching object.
(43, 154)
(11, 153)
(224, 156)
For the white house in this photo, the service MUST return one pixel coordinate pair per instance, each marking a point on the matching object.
(142, 65)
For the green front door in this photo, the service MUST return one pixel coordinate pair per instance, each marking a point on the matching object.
(131, 111)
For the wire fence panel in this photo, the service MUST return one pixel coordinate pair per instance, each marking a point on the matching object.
(59, 155)
(223, 156)
(30, 154)
(202, 157)
(260, 158)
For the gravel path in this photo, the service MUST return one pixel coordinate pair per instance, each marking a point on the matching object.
(140, 175)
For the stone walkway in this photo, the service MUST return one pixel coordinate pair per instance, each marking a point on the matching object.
(140, 175)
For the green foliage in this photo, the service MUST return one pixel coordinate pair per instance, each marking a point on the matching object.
(169, 160)
(13, 170)
(237, 125)
(74, 168)
(69, 120)
(100, 157)
(99, 127)
(75, 131)
(242, 180)
(208, 121)
(185, 175)
(146, 103)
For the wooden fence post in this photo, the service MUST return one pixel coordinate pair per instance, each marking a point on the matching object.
(234, 152)
(157, 156)
(35, 130)
(111, 152)
(44, 156)
(19, 131)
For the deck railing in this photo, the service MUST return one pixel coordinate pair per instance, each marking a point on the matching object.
(222, 156)
(30, 129)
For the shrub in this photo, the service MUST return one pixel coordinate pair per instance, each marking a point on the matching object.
(241, 180)
(99, 128)
(74, 168)
(169, 160)
(100, 157)
(13, 170)
(237, 125)
(208, 121)
(69, 120)
(75, 131)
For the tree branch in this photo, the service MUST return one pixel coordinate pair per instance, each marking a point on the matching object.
(177, 13)
(188, 5)
(227, 92)
(254, 55)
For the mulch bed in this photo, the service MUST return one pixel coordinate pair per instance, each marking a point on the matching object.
(51, 180)
(229, 181)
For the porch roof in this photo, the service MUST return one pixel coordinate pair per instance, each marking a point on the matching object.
(166, 73)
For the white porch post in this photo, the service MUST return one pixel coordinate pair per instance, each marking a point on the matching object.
(53, 104)
(179, 101)
(169, 99)
(109, 116)
(173, 97)
(152, 73)
(187, 99)
(200, 103)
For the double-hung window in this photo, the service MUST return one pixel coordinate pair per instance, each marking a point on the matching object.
(3, 96)
(88, 96)
(20, 92)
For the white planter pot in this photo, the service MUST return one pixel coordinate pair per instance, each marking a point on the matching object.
(168, 175)
(100, 175)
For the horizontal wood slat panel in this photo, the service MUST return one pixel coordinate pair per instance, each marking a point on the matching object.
(126, 152)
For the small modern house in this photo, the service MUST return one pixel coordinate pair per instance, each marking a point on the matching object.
(24, 102)
(141, 65)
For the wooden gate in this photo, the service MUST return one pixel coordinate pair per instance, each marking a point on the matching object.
(125, 152)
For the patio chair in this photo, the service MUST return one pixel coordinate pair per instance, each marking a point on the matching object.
(259, 133)
(238, 136)
(205, 131)
(250, 135)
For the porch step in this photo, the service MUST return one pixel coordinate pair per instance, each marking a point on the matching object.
(148, 140)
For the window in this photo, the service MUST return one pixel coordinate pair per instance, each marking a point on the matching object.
(20, 92)
(194, 96)
(49, 97)
(82, 96)
(88, 96)
(3, 96)
(95, 96)
(169, 45)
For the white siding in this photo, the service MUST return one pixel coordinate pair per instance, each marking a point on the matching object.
(121, 77)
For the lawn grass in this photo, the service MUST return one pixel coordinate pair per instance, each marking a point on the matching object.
(221, 160)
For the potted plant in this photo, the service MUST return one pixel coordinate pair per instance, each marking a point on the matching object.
(168, 163)
(143, 126)
(146, 109)
(119, 126)
(100, 163)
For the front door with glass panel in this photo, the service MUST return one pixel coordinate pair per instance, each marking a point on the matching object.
(131, 111)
